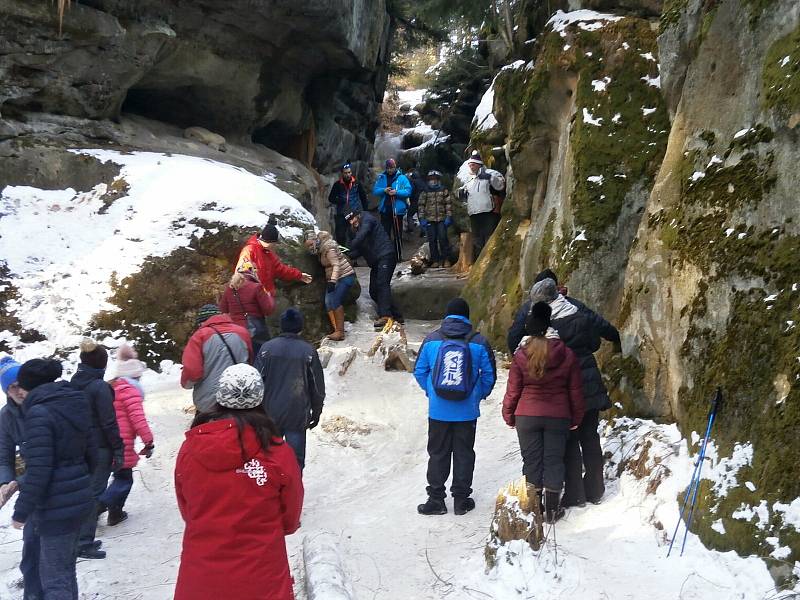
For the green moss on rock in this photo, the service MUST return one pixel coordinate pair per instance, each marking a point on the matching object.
(781, 74)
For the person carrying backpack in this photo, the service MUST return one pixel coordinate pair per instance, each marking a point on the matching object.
(456, 368)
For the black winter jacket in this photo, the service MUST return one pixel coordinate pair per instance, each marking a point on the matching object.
(345, 200)
(11, 435)
(582, 333)
(101, 404)
(59, 454)
(370, 241)
(294, 383)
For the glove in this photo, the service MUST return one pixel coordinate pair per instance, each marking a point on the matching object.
(448, 221)
(462, 194)
(484, 175)
(147, 451)
(314, 420)
(423, 222)
(117, 462)
(331, 286)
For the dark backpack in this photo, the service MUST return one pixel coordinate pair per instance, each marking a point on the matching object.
(452, 371)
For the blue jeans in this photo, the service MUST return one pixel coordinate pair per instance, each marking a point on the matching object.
(99, 483)
(335, 299)
(297, 440)
(50, 559)
(117, 492)
(438, 242)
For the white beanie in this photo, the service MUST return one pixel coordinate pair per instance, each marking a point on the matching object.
(240, 387)
(128, 364)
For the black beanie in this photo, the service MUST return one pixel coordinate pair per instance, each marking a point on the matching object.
(269, 233)
(457, 306)
(37, 372)
(93, 354)
(546, 274)
(538, 320)
(292, 321)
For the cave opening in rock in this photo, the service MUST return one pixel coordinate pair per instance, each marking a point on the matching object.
(183, 106)
(286, 140)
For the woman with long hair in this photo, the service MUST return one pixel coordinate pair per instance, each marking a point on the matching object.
(248, 304)
(340, 276)
(544, 401)
(240, 493)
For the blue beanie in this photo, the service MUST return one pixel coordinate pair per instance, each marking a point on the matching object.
(292, 321)
(9, 371)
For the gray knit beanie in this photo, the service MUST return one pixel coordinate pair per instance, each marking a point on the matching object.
(240, 387)
(544, 291)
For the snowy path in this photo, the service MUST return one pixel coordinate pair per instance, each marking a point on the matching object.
(364, 488)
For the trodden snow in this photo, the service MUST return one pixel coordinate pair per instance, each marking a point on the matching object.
(365, 475)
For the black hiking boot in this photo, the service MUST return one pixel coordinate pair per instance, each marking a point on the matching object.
(553, 511)
(462, 506)
(433, 506)
(91, 552)
(115, 516)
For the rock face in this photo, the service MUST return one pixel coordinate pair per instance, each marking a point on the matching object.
(235, 68)
(673, 211)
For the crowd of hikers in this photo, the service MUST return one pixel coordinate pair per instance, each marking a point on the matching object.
(69, 447)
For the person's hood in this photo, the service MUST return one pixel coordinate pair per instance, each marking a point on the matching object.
(61, 399)
(455, 326)
(86, 375)
(556, 355)
(215, 445)
(216, 320)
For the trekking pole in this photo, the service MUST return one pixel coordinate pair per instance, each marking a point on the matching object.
(694, 484)
(398, 234)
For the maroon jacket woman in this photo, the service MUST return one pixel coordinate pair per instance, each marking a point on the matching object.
(544, 401)
(245, 297)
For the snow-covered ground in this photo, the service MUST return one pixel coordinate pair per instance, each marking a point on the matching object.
(62, 246)
(365, 475)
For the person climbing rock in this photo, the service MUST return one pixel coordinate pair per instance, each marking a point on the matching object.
(393, 190)
(55, 494)
(436, 215)
(294, 383)
(340, 276)
(544, 401)
(129, 408)
(370, 241)
(346, 195)
(89, 378)
(258, 256)
(581, 330)
(217, 344)
(248, 305)
(240, 493)
(480, 192)
(456, 368)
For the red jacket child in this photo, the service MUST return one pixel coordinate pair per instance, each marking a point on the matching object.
(237, 512)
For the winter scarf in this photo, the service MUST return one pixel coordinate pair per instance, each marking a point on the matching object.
(562, 307)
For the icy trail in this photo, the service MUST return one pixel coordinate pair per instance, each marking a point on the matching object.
(365, 476)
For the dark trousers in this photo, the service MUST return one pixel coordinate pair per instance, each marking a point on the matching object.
(413, 208)
(117, 492)
(438, 242)
(380, 287)
(542, 443)
(393, 226)
(340, 229)
(297, 441)
(48, 565)
(448, 439)
(99, 483)
(482, 225)
(584, 452)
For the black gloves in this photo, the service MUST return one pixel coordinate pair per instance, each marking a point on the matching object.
(331, 286)
(147, 451)
(314, 420)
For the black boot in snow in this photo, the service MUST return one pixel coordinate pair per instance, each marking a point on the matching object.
(91, 552)
(462, 506)
(553, 511)
(115, 516)
(434, 506)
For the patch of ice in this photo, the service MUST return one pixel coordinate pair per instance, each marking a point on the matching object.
(648, 56)
(729, 231)
(715, 160)
(616, 119)
(742, 235)
(599, 85)
(598, 179)
(790, 513)
(784, 61)
(750, 486)
(771, 298)
(648, 111)
(589, 119)
(718, 526)
(517, 64)
(626, 46)
(581, 237)
(697, 176)
(741, 133)
(654, 81)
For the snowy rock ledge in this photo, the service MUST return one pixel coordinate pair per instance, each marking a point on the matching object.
(326, 578)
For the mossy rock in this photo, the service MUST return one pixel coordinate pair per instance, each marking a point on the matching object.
(781, 74)
(157, 305)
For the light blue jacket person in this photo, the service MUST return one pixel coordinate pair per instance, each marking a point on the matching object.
(483, 369)
(393, 178)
